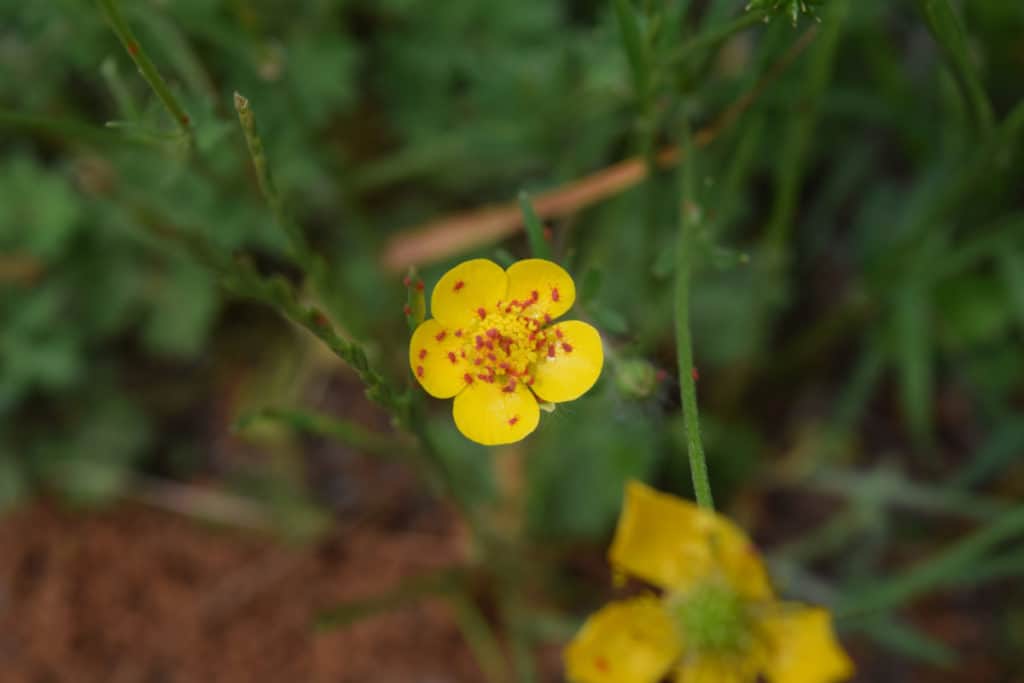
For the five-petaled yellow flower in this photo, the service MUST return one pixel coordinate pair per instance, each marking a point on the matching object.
(492, 345)
(717, 620)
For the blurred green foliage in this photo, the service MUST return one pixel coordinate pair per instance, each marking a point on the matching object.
(859, 299)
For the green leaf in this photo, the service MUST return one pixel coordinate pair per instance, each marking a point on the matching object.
(914, 360)
(534, 229)
(634, 45)
(948, 31)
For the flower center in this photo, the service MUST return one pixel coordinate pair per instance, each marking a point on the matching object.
(503, 345)
(713, 619)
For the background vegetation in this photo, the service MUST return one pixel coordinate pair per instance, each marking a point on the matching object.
(857, 300)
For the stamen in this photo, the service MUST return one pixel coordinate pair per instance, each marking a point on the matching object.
(440, 335)
(423, 354)
(566, 347)
(459, 285)
(452, 357)
(419, 370)
(481, 312)
(551, 350)
(554, 293)
(468, 377)
(512, 420)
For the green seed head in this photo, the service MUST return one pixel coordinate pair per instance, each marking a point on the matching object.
(712, 619)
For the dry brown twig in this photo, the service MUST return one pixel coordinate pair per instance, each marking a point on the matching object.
(438, 239)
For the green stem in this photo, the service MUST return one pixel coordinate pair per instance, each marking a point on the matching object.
(716, 36)
(296, 240)
(124, 33)
(345, 431)
(480, 638)
(688, 220)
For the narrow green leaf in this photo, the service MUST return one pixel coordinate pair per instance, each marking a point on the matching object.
(914, 360)
(534, 229)
(948, 31)
(636, 49)
(909, 641)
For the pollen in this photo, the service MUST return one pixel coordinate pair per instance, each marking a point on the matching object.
(505, 344)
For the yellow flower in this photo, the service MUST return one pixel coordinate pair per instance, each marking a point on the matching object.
(717, 620)
(492, 346)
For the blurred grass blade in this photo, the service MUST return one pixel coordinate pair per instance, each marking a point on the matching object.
(948, 31)
(914, 361)
(909, 641)
(1011, 267)
(534, 229)
(480, 638)
(1003, 446)
(636, 48)
(122, 96)
(437, 583)
(796, 142)
(946, 567)
(345, 431)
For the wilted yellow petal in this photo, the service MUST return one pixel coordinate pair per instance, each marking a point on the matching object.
(541, 287)
(571, 364)
(436, 360)
(492, 413)
(675, 545)
(633, 641)
(804, 647)
(465, 289)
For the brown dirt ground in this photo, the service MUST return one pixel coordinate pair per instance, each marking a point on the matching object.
(132, 594)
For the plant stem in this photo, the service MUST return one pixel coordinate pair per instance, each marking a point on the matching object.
(688, 220)
(716, 36)
(124, 33)
(296, 240)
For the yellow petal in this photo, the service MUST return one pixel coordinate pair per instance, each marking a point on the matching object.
(465, 289)
(710, 670)
(804, 648)
(542, 285)
(435, 356)
(633, 641)
(675, 545)
(491, 414)
(573, 363)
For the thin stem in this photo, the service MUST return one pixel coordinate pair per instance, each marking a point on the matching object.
(124, 33)
(296, 240)
(480, 638)
(345, 431)
(688, 220)
(718, 35)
